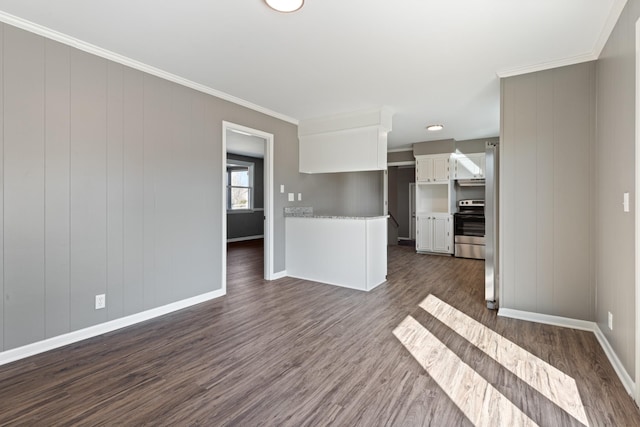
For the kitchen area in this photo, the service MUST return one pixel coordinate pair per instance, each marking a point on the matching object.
(452, 202)
(452, 212)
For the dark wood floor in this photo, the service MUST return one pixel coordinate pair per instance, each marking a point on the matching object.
(296, 353)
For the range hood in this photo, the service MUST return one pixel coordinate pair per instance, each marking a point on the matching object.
(475, 182)
(346, 142)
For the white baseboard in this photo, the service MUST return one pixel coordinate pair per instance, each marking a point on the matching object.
(626, 379)
(103, 328)
(279, 275)
(547, 319)
(584, 325)
(242, 239)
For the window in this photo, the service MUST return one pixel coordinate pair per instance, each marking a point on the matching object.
(239, 185)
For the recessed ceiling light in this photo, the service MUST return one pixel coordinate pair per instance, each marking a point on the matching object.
(433, 128)
(285, 5)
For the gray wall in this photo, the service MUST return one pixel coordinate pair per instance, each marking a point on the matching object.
(434, 147)
(614, 167)
(548, 132)
(244, 224)
(451, 146)
(108, 188)
(401, 156)
(112, 183)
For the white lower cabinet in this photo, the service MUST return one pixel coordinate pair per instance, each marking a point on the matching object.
(434, 233)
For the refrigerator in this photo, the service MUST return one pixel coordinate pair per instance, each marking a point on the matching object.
(491, 211)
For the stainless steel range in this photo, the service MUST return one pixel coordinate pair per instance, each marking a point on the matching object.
(469, 229)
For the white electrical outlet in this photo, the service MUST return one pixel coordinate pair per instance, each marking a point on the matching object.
(291, 197)
(101, 301)
(299, 196)
(610, 321)
(282, 188)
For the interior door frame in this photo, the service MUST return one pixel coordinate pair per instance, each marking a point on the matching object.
(412, 208)
(268, 198)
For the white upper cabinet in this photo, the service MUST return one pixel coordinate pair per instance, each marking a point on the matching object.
(345, 143)
(468, 166)
(432, 169)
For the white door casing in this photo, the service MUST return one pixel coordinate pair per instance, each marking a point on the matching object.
(268, 199)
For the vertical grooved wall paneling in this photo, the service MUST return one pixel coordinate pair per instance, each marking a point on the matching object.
(112, 184)
(133, 187)
(57, 92)
(547, 138)
(526, 221)
(24, 217)
(545, 176)
(115, 198)
(573, 131)
(157, 137)
(88, 187)
(615, 167)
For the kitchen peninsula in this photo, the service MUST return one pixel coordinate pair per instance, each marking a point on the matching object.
(343, 251)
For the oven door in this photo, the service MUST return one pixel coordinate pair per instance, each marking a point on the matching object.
(468, 224)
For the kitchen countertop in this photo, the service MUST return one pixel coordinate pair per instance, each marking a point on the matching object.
(337, 217)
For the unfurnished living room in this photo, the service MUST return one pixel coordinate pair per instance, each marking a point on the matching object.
(304, 212)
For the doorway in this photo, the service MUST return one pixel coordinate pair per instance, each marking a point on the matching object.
(240, 197)
(412, 211)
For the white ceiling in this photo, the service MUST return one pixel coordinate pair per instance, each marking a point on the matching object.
(431, 61)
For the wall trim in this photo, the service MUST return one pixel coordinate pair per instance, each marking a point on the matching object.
(132, 63)
(609, 25)
(242, 239)
(626, 379)
(279, 275)
(583, 325)
(403, 163)
(103, 328)
(399, 150)
(542, 66)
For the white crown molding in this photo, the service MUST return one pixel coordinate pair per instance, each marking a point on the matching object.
(132, 63)
(584, 325)
(103, 328)
(516, 71)
(612, 19)
(609, 25)
(399, 150)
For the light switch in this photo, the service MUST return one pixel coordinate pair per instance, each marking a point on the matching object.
(625, 202)
(282, 188)
(299, 196)
(291, 198)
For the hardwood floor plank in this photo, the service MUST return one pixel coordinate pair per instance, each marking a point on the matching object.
(297, 353)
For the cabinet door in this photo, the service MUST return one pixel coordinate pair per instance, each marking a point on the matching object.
(424, 233)
(423, 169)
(440, 169)
(469, 166)
(442, 233)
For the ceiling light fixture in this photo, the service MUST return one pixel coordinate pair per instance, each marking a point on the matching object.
(285, 5)
(433, 128)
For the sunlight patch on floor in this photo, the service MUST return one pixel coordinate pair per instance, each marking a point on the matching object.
(552, 383)
(480, 402)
